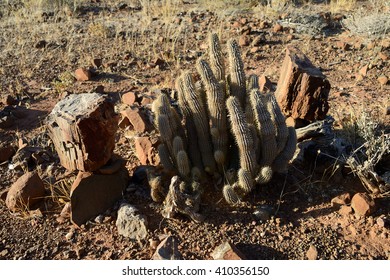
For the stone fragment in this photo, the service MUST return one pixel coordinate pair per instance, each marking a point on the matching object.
(168, 250)
(312, 253)
(362, 204)
(278, 28)
(345, 210)
(129, 98)
(341, 199)
(65, 213)
(134, 115)
(27, 191)
(142, 148)
(302, 91)
(383, 221)
(92, 194)
(243, 40)
(82, 128)
(227, 251)
(6, 152)
(82, 74)
(363, 71)
(131, 224)
(383, 80)
(343, 45)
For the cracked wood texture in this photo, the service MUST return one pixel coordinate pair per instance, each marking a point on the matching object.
(302, 90)
(82, 128)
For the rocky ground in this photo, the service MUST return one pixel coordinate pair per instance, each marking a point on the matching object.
(137, 50)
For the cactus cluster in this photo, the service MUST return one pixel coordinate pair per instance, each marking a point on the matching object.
(225, 127)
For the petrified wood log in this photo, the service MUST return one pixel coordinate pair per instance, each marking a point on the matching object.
(302, 91)
(82, 128)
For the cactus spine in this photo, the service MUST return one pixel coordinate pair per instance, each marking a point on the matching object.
(237, 74)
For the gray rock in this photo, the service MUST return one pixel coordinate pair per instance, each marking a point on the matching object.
(168, 250)
(130, 223)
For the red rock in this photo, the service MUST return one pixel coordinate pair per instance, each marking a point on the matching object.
(92, 194)
(341, 199)
(383, 80)
(345, 210)
(243, 40)
(27, 191)
(129, 98)
(343, 45)
(82, 74)
(371, 45)
(302, 91)
(254, 49)
(244, 21)
(312, 253)
(143, 147)
(383, 56)
(146, 100)
(363, 71)
(135, 118)
(277, 28)
(265, 84)
(236, 24)
(6, 152)
(362, 204)
(227, 251)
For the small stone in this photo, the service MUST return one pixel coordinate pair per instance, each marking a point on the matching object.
(142, 149)
(312, 253)
(131, 224)
(362, 204)
(6, 152)
(227, 251)
(383, 56)
(243, 40)
(65, 213)
(383, 222)
(153, 244)
(265, 84)
(69, 235)
(3, 253)
(82, 74)
(383, 80)
(277, 28)
(343, 45)
(342, 199)
(168, 250)
(345, 210)
(135, 118)
(27, 191)
(363, 71)
(129, 98)
(146, 100)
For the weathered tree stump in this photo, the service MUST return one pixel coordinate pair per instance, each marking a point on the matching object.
(82, 128)
(302, 91)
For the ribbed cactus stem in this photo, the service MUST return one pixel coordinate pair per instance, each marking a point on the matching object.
(199, 114)
(183, 164)
(216, 109)
(230, 194)
(237, 74)
(265, 128)
(216, 59)
(279, 122)
(253, 82)
(264, 175)
(165, 158)
(192, 136)
(164, 128)
(281, 162)
(242, 134)
(245, 180)
(177, 145)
